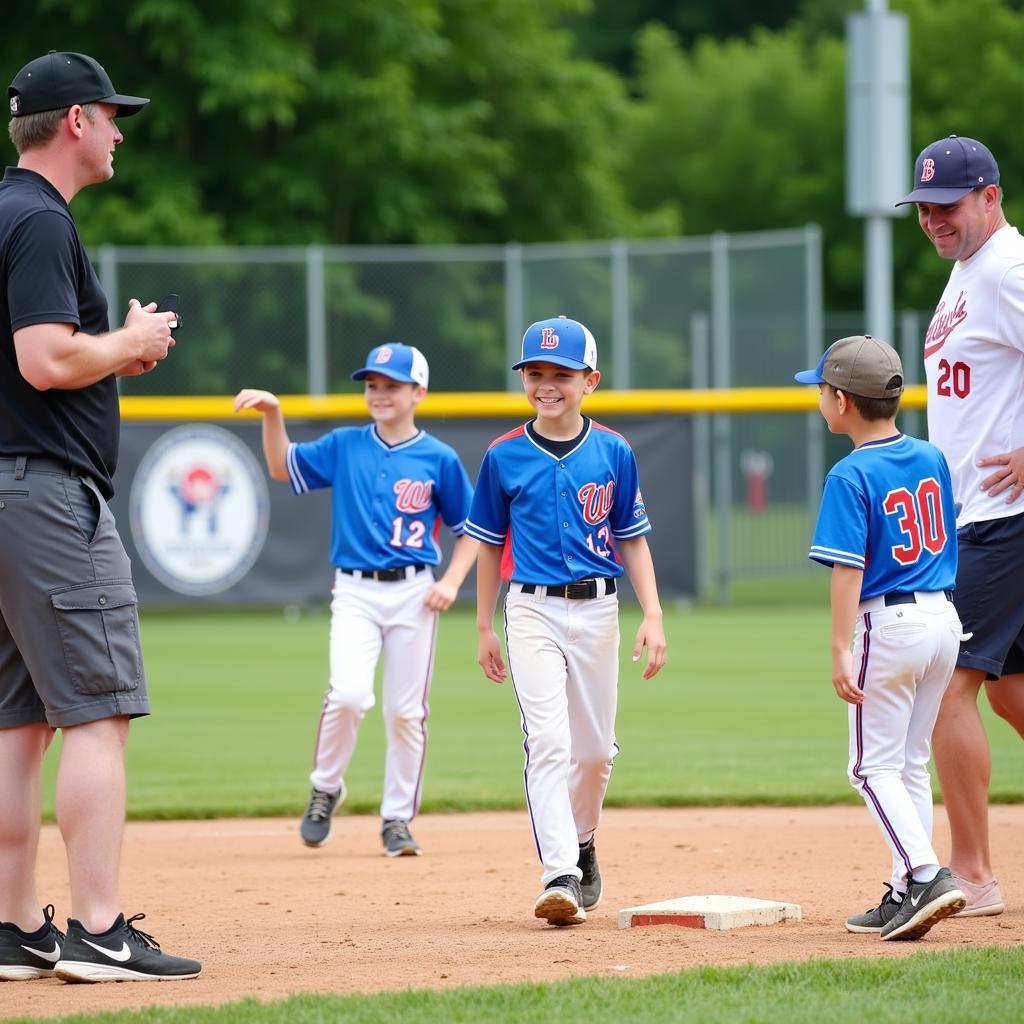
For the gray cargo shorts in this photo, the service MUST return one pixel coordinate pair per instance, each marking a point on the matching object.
(69, 624)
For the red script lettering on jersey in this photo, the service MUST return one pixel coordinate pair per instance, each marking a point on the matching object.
(596, 500)
(943, 324)
(413, 495)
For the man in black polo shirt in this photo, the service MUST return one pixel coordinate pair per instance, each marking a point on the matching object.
(69, 641)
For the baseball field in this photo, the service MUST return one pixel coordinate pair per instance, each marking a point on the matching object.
(731, 779)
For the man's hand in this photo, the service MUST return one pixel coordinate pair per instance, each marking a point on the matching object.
(152, 330)
(1008, 477)
(136, 368)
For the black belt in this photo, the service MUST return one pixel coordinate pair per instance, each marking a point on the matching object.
(907, 597)
(386, 575)
(36, 464)
(584, 590)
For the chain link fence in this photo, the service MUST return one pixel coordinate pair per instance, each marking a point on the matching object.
(715, 312)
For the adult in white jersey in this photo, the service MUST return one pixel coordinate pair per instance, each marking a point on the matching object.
(974, 361)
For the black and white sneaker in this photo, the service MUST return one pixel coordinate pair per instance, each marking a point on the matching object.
(397, 840)
(925, 904)
(561, 902)
(121, 953)
(25, 956)
(590, 883)
(316, 822)
(875, 919)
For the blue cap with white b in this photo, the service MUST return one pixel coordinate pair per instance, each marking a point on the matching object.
(561, 341)
(397, 361)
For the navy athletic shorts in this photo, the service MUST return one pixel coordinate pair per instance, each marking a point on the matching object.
(989, 595)
(69, 626)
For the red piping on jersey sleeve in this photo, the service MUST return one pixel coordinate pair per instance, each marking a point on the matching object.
(515, 432)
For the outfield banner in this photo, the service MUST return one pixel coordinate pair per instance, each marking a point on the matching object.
(203, 522)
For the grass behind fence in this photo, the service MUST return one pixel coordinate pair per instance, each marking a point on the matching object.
(743, 713)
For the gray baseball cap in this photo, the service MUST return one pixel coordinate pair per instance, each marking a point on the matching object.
(860, 365)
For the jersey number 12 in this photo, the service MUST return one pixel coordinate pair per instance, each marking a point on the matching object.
(414, 538)
(920, 520)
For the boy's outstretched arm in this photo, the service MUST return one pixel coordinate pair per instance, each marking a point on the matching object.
(488, 584)
(845, 591)
(275, 436)
(636, 556)
(444, 591)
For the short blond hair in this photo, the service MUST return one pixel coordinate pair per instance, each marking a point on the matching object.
(34, 130)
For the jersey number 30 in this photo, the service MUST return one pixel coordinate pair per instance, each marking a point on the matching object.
(920, 520)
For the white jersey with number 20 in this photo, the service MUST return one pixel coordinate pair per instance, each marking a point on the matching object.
(974, 361)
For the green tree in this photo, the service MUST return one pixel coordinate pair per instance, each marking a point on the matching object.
(358, 122)
(744, 135)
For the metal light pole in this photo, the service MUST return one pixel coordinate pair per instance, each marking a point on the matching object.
(877, 146)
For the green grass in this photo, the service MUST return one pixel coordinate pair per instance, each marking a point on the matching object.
(973, 986)
(743, 713)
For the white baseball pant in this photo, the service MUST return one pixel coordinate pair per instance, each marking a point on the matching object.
(370, 617)
(904, 655)
(563, 659)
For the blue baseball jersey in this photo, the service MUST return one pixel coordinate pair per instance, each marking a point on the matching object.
(887, 508)
(558, 517)
(387, 502)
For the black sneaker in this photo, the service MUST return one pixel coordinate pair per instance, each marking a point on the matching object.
(121, 953)
(394, 834)
(561, 902)
(316, 822)
(925, 904)
(28, 955)
(875, 919)
(590, 883)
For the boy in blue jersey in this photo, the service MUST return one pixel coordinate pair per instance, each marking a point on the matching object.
(558, 508)
(392, 486)
(887, 529)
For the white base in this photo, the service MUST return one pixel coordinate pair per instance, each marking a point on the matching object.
(718, 912)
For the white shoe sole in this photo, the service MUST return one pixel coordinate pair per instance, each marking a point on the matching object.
(18, 972)
(992, 910)
(405, 851)
(929, 915)
(557, 906)
(73, 970)
(860, 929)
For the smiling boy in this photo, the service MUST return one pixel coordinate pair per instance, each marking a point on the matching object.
(559, 510)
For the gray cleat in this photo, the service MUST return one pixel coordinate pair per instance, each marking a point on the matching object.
(925, 904)
(394, 834)
(316, 822)
(875, 919)
(590, 883)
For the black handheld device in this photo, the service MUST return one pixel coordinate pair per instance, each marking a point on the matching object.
(169, 304)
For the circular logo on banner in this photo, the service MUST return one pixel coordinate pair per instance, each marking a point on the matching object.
(199, 509)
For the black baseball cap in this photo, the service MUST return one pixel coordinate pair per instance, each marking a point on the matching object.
(60, 80)
(948, 169)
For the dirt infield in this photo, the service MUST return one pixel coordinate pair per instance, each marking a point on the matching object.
(269, 917)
